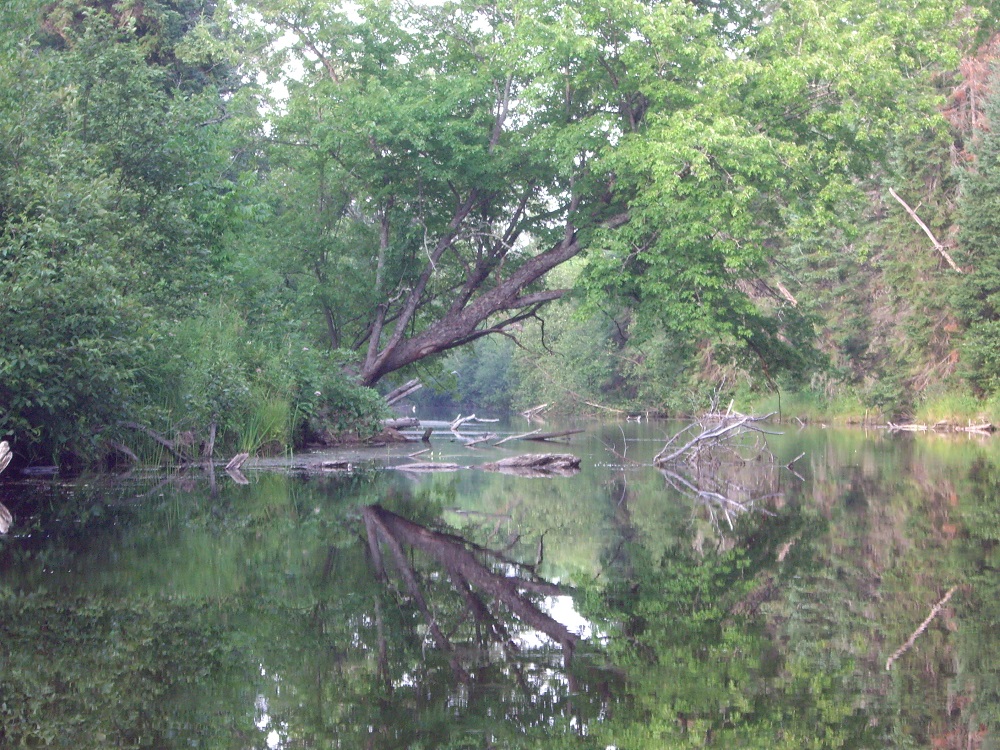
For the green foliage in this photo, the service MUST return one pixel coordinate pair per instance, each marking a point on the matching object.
(107, 671)
(978, 298)
(427, 156)
(484, 374)
(326, 399)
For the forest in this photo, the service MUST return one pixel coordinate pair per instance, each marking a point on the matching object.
(239, 224)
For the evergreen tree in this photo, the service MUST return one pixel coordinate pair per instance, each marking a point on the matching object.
(978, 298)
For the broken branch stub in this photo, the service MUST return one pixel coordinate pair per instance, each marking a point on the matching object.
(6, 518)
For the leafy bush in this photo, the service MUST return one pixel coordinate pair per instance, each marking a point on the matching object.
(326, 402)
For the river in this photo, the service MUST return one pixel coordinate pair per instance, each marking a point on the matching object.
(777, 594)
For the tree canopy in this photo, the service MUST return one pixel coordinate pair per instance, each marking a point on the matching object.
(205, 208)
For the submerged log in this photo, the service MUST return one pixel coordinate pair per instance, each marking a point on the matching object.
(537, 465)
(336, 465)
(427, 466)
(552, 435)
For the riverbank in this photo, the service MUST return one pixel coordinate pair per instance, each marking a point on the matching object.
(944, 412)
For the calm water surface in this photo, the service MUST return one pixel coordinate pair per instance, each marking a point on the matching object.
(739, 603)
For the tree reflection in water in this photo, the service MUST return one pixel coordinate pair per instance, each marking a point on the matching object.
(485, 627)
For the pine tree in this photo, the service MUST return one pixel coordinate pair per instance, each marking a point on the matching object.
(978, 298)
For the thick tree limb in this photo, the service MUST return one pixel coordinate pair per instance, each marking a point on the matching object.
(461, 326)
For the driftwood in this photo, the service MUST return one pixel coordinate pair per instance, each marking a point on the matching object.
(536, 465)
(406, 389)
(6, 517)
(124, 450)
(723, 463)
(534, 411)
(727, 426)
(427, 466)
(983, 427)
(237, 461)
(336, 465)
(158, 438)
(484, 439)
(923, 626)
(552, 435)
(400, 423)
(459, 421)
(208, 450)
(5, 455)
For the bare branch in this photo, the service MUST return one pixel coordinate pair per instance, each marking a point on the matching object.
(937, 245)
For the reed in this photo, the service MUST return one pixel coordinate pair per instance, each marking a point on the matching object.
(267, 425)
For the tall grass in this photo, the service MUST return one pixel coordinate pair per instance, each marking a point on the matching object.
(809, 406)
(956, 408)
(268, 424)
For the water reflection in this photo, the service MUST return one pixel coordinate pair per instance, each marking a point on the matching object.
(378, 610)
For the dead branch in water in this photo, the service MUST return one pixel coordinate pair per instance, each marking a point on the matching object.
(158, 438)
(534, 411)
(923, 626)
(237, 461)
(553, 435)
(729, 425)
(485, 438)
(522, 436)
(723, 463)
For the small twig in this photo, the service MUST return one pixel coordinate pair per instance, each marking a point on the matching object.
(923, 626)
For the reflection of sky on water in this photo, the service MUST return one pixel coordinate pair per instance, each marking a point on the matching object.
(562, 610)
(276, 734)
